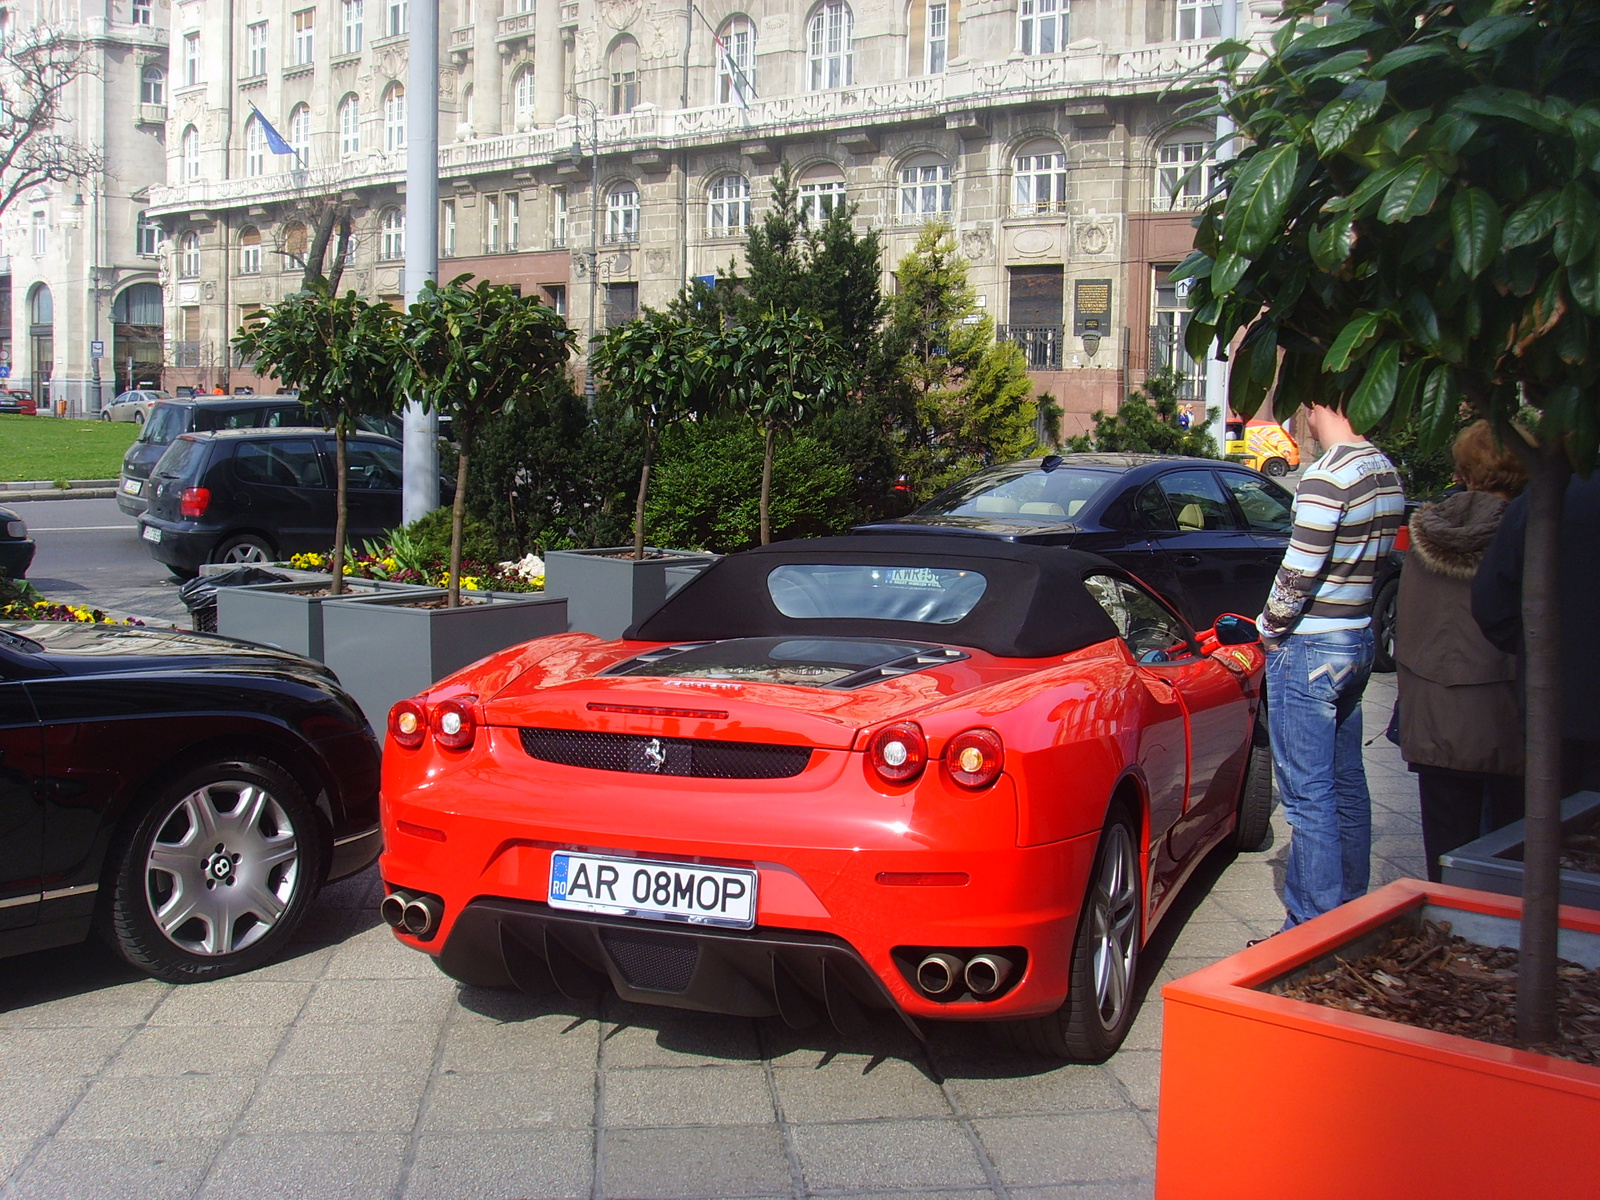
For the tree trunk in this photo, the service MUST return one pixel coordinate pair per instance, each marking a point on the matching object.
(318, 249)
(458, 515)
(341, 518)
(644, 486)
(766, 485)
(341, 249)
(1541, 856)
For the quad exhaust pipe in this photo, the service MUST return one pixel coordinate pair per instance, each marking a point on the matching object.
(939, 972)
(417, 915)
(986, 974)
(942, 974)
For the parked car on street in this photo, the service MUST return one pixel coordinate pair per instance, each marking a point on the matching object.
(19, 402)
(16, 547)
(135, 405)
(258, 495)
(948, 777)
(185, 794)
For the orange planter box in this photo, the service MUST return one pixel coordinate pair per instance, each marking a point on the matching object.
(1271, 1098)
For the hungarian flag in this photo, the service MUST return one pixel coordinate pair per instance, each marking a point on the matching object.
(728, 66)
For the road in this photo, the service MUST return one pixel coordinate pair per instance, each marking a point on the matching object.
(90, 553)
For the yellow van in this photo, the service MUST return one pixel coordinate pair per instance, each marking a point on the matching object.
(1264, 445)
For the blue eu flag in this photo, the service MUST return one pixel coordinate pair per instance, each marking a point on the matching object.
(275, 141)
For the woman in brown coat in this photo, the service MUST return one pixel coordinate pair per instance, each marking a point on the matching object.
(1460, 727)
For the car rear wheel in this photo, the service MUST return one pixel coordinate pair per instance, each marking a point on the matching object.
(218, 873)
(105, 414)
(245, 548)
(1105, 958)
(1275, 467)
(138, 417)
(1255, 797)
(1383, 613)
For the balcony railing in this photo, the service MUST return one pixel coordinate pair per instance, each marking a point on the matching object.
(186, 354)
(1040, 343)
(1167, 353)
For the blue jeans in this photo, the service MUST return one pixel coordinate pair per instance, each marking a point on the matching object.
(1314, 686)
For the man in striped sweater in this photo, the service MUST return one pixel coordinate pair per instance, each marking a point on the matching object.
(1317, 627)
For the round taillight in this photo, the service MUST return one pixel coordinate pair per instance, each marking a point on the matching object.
(408, 724)
(974, 758)
(898, 752)
(453, 724)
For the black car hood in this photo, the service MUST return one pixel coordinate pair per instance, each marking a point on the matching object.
(991, 526)
(73, 648)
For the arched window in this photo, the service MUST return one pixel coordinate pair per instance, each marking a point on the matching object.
(148, 236)
(925, 189)
(522, 98)
(41, 306)
(394, 118)
(1043, 26)
(728, 211)
(623, 62)
(189, 256)
(936, 36)
(736, 61)
(622, 213)
(153, 86)
(349, 126)
(821, 191)
(139, 304)
(392, 235)
(464, 126)
(300, 134)
(828, 40)
(249, 250)
(190, 144)
(1040, 170)
(295, 243)
(1183, 172)
(255, 147)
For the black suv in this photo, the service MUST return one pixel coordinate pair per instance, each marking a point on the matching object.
(257, 495)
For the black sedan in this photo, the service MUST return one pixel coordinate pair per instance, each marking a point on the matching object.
(16, 547)
(185, 794)
(1206, 534)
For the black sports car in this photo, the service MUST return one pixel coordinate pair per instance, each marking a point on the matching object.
(186, 793)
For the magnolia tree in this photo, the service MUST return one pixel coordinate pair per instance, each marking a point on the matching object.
(340, 353)
(39, 63)
(473, 353)
(1412, 225)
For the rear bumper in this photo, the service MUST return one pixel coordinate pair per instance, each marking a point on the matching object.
(183, 544)
(131, 504)
(16, 557)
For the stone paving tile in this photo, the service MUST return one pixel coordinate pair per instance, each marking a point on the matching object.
(1076, 1147)
(656, 1096)
(1139, 1073)
(887, 1154)
(197, 1050)
(358, 1049)
(398, 1000)
(549, 1164)
(1128, 1189)
(307, 1167)
(844, 1090)
(637, 1036)
(334, 1104)
(241, 1000)
(378, 954)
(511, 1100)
(662, 1164)
(48, 1054)
(188, 1106)
(31, 1111)
(114, 1008)
(116, 1168)
(536, 1043)
(1062, 1089)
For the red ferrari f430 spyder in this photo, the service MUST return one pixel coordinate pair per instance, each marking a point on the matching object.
(938, 775)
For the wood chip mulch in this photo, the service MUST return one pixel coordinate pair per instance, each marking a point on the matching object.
(1432, 979)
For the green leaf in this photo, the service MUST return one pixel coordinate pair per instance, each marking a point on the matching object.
(1375, 394)
(1195, 266)
(1300, 382)
(1340, 118)
(1406, 56)
(1475, 225)
(1412, 193)
(1583, 281)
(1440, 404)
(1508, 104)
(1401, 128)
(1577, 223)
(1333, 242)
(1367, 191)
(1340, 64)
(1493, 31)
(1253, 368)
(1535, 218)
(1197, 339)
(1452, 132)
(1335, 34)
(1258, 199)
(1226, 274)
(1411, 377)
(1352, 341)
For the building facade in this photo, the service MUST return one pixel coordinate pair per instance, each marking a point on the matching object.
(84, 259)
(604, 152)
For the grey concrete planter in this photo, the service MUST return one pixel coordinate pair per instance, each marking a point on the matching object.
(274, 615)
(1493, 863)
(607, 594)
(383, 651)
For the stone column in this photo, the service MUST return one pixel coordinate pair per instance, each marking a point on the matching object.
(548, 75)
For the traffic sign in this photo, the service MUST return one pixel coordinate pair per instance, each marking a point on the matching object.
(97, 349)
(5, 370)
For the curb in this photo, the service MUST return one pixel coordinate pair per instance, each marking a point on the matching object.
(43, 485)
(72, 493)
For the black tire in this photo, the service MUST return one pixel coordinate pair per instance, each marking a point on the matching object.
(1383, 615)
(183, 573)
(275, 851)
(244, 548)
(1080, 1030)
(105, 414)
(1255, 795)
(138, 417)
(1275, 467)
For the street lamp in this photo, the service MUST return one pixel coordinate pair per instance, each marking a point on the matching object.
(590, 263)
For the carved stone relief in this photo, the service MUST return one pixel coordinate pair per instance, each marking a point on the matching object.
(976, 245)
(1094, 236)
(656, 261)
(1034, 243)
(619, 14)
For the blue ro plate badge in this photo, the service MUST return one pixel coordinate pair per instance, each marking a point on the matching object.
(661, 891)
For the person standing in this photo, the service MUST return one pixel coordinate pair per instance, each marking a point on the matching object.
(1317, 629)
(1460, 729)
(1185, 418)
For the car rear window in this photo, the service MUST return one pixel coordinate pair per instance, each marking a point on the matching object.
(180, 456)
(166, 422)
(928, 595)
(1037, 495)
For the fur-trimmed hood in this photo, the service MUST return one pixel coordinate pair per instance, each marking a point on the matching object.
(1450, 537)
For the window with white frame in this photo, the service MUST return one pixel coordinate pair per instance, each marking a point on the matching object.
(1043, 26)
(255, 48)
(350, 125)
(152, 86)
(938, 38)
(622, 213)
(465, 125)
(447, 228)
(191, 58)
(399, 21)
(558, 218)
(1183, 174)
(491, 224)
(513, 214)
(354, 14)
(141, 12)
(394, 118)
(828, 42)
(524, 6)
(249, 250)
(300, 134)
(925, 190)
(392, 235)
(1041, 180)
(820, 194)
(522, 98)
(623, 62)
(558, 298)
(189, 144)
(149, 236)
(736, 62)
(1199, 19)
(255, 147)
(41, 234)
(189, 256)
(728, 208)
(305, 36)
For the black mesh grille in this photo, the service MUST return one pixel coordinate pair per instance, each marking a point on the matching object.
(658, 961)
(645, 755)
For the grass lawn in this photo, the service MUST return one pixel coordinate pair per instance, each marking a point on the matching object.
(57, 448)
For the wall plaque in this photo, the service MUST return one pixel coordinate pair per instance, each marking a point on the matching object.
(1091, 307)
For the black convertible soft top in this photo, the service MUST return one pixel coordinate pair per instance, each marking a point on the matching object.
(1033, 606)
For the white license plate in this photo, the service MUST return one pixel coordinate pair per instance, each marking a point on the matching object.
(133, 486)
(662, 891)
(150, 533)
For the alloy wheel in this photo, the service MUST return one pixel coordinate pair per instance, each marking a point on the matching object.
(1113, 926)
(245, 552)
(222, 868)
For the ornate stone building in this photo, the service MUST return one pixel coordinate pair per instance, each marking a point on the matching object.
(1044, 131)
(82, 259)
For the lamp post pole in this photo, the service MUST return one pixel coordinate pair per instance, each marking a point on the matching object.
(593, 109)
(1216, 367)
(420, 474)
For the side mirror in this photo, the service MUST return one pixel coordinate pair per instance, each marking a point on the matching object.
(1234, 630)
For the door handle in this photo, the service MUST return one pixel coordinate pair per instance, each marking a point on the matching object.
(1187, 560)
